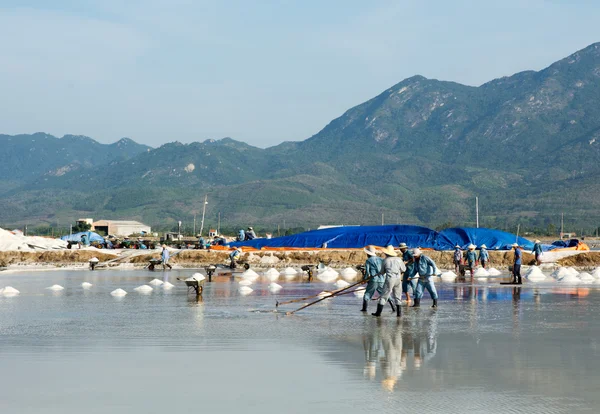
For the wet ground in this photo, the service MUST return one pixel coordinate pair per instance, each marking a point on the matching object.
(488, 348)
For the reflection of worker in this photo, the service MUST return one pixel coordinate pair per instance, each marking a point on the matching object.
(471, 258)
(391, 364)
(537, 251)
(484, 256)
(372, 346)
(165, 257)
(408, 259)
(233, 255)
(518, 259)
(372, 271)
(457, 259)
(392, 267)
(424, 270)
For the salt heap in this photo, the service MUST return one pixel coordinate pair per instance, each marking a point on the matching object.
(342, 284)
(245, 282)
(481, 272)
(596, 273)
(250, 275)
(168, 285)
(272, 274)
(290, 271)
(585, 277)
(156, 282)
(494, 272)
(560, 273)
(448, 277)
(245, 290)
(143, 289)
(328, 275)
(86, 285)
(55, 288)
(118, 292)
(348, 274)
(196, 276)
(274, 287)
(534, 274)
(569, 278)
(9, 291)
(11, 242)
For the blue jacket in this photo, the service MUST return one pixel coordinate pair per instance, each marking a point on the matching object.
(234, 254)
(373, 266)
(471, 256)
(408, 258)
(458, 255)
(241, 235)
(424, 267)
(165, 254)
(518, 255)
(537, 249)
(484, 256)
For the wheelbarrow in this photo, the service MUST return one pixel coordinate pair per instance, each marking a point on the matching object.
(195, 285)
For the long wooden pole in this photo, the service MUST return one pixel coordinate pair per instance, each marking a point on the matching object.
(339, 292)
(313, 296)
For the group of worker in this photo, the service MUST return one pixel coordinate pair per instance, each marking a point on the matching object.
(391, 277)
(471, 258)
(246, 235)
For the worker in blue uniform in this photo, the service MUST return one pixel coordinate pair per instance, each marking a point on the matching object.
(423, 271)
(518, 260)
(484, 256)
(372, 270)
(408, 259)
(537, 251)
(233, 255)
(457, 259)
(471, 258)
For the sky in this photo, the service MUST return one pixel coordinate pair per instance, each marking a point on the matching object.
(262, 72)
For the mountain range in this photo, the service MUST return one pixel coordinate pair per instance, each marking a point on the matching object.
(527, 145)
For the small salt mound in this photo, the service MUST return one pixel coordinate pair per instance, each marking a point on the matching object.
(560, 273)
(86, 285)
(342, 284)
(534, 274)
(290, 271)
(118, 292)
(9, 291)
(572, 271)
(245, 282)
(494, 272)
(569, 279)
(245, 290)
(250, 274)
(596, 273)
(481, 272)
(55, 288)
(156, 282)
(168, 285)
(359, 293)
(585, 277)
(348, 273)
(448, 277)
(143, 289)
(327, 276)
(272, 274)
(274, 287)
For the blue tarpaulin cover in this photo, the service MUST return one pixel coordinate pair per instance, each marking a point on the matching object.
(352, 237)
(493, 239)
(91, 236)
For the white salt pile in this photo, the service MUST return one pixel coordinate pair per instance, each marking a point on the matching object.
(250, 275)
(168, 285)
(290, 271)
(86, 285)
(118, 292)
(342, 284)
(274, 287)
(9, 291)
(534, 274)
(569, 279)
(143, 289)
(596, 273)
(348, 274)
(448, 277)
(481, 272)
(245, 282)
(197, 276)
(55, 288)
(245, 290)
(560, 273)
(272, 274)
(156, 282)
(494, 272)
(328, 276)
(572, 271)
(585, 277)
(13, 242)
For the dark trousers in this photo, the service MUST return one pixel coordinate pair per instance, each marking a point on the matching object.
(517, 273)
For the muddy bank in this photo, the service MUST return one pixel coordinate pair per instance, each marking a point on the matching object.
(590, 259)
(200, 258)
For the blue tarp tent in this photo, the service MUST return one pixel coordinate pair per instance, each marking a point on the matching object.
(91, 236)
(493, 239)
(352, 237)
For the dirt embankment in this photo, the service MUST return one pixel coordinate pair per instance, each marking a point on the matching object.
(59, 257)
(589, 259)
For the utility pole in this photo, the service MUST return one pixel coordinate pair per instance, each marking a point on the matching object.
(562, 224)
(194, 224)
(203, 212)
(382, 219)
(518, 227)
(477, 210)
(219, 225)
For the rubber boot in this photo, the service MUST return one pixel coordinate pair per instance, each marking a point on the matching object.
(379, 310)
(364, 308)
(392, 306)
(398, 311)
(417, 303)
(434, 303)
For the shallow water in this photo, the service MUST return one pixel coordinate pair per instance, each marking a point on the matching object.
(486, 349)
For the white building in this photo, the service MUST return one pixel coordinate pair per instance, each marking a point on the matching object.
(122, 228)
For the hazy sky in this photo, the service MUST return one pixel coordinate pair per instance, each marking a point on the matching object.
(259, 71)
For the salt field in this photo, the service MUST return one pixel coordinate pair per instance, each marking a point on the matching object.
(487, 348)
